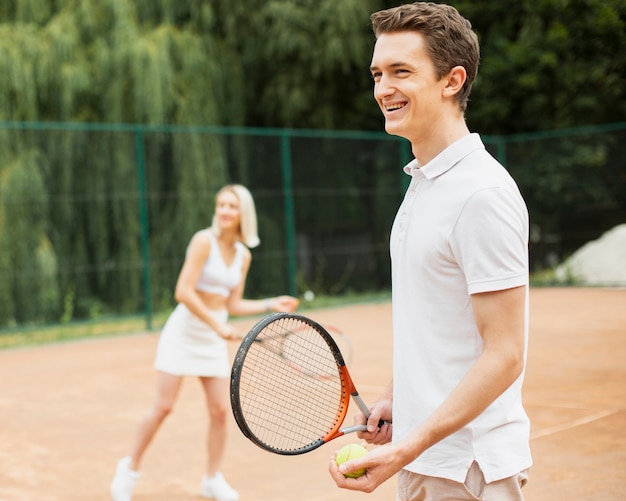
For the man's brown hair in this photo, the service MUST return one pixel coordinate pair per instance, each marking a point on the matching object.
(449, 38)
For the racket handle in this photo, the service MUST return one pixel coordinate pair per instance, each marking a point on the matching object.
(365, 410)
(360, 427)
(361, 405)
(351, 429)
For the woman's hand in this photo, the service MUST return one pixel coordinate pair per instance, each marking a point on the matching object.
(283, 304)
(228, 332)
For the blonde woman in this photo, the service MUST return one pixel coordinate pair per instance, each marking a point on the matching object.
(194, 339)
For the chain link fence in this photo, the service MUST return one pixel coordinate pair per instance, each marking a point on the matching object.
(95, 218)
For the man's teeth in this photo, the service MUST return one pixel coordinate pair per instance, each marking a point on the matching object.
(393, 107)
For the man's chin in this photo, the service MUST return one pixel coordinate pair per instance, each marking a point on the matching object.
(393, 129)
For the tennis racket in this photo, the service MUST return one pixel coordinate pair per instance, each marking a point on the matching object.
(275, 401)
(281, 343)
(342, 341)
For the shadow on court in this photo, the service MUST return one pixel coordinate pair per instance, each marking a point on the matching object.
(69, 411)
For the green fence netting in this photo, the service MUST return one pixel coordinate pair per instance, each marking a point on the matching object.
(95, 218)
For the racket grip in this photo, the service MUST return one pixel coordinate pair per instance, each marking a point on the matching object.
(360, 404)
(365, 410)
(360, 427)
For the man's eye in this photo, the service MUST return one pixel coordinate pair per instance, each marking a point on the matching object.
(376, 77)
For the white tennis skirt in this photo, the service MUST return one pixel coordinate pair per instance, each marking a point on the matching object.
(189, 347)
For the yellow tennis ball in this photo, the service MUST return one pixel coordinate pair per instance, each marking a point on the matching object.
(348, 452)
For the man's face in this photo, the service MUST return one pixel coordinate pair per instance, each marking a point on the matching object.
(406, 87)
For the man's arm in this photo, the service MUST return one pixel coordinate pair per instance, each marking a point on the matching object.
(500, 320)
(500, 317)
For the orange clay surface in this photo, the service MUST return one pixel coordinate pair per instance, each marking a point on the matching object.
(68, 411)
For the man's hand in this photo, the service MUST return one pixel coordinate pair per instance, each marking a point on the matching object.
(380, 465)
(376, 435)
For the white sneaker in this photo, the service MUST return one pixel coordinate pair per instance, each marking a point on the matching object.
(217, 488)
(124, 481)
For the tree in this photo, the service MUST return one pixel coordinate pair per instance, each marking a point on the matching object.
(548, 64)
(283, 63)
(306, 62)
(119, 61)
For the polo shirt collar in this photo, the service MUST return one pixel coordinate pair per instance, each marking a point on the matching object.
(447, 158)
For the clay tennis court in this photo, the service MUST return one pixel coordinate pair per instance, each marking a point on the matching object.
(69, 411)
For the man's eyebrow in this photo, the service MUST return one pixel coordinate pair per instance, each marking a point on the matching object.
(392, 65)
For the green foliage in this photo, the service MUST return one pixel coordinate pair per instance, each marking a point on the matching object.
(307, 63)
(549, 64)
(102, 61)
(28, 265)
(546, 64)
(150, 62)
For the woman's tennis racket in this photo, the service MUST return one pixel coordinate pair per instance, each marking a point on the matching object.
(289, 386)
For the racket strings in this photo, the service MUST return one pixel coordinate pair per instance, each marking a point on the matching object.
(284, 407)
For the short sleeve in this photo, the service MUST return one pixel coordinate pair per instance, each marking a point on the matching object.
(490, 240)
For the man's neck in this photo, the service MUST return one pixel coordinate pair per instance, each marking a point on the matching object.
(428, 147)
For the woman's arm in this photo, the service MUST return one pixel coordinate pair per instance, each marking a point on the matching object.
(239, 306)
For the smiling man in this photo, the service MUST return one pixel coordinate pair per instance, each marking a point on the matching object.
(459, 251)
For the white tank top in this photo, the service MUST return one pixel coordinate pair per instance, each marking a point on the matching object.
(216, 277)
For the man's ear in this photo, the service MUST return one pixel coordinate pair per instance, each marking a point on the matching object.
(455, 80)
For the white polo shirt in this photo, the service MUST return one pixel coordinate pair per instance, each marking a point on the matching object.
(461, 229)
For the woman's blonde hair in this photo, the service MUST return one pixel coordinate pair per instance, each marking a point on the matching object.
(248, 232)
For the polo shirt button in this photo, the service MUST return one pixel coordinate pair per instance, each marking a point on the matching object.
(412, 193)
